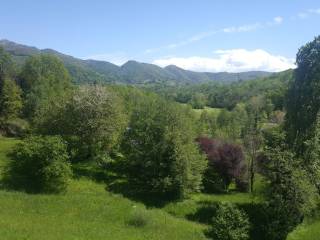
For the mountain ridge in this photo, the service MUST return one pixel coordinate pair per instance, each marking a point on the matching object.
(131, 72)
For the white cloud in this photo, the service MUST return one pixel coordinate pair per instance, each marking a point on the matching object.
(232, 29)
(244, 28)
(302, 15)
(309, 12)
(117, 58)
(278, 20)
(234, 60)
(316, 11)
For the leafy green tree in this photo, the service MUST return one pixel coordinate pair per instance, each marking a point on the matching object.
(40, 164)
(290, 193)
(198, 101)
(303, 102)
(10, 100)
(291, 196)
(229, 223)
(162, 157)
(7, 67)
(92, 121)
(46, 83)
(311, 157)
(207, 123)
(96, 120)
(252, 134)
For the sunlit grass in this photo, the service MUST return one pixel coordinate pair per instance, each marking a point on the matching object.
(86, 211)
(306, 231)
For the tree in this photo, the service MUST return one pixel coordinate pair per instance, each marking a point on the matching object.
(223, 158)
(40, 164)
(162, 157)
(10, 100)
(303, 102)
(252, 134)
(311, 157)
(7, 67)
(46, 83)
(198, 101)
(229, 223)
(207, 123)
(91, 121)
(290, 195)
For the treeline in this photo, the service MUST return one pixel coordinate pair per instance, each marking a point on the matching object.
(219, 95)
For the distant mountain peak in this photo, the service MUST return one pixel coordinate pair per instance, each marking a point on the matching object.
(132, 72)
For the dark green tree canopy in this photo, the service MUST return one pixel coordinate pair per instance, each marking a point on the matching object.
(304, 95)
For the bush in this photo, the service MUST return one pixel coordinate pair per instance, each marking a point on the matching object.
(40, 164)
(138, 218)
(230, 223)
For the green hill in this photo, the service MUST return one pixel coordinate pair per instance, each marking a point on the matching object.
(132, 72)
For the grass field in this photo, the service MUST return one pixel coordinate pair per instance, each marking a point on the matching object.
(87, 211)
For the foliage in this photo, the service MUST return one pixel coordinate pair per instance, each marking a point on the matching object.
(291, 196)
(87, 206)
(229, 223)
(198, 101)
(304, 96)
(45, 82)
(224, 159)
(311, 157)
(40, 164)
(228, 95)
(138, 217)
(10, 100)
(92, 121)
(162, 157)
(7, 66)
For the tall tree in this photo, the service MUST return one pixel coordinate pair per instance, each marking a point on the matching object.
(162, 156)
(6, 66)
(303, 102)
(252, 135)
(45, 82)
(10, 100)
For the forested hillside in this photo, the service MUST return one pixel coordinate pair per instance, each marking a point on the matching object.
(220, 161)
(132, 72)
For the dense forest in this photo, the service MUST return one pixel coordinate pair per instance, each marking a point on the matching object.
(221, 160)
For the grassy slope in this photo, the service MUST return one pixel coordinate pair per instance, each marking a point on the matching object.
(306, 231)
(87, 211)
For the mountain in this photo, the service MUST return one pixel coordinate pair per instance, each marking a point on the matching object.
(132, 72)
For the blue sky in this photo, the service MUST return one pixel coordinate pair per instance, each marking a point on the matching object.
(202, 35)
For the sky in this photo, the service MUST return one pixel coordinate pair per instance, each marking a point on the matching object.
(202, 35)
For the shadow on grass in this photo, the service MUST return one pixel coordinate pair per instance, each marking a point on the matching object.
(258, 216)
(204, 214)
(117, 182)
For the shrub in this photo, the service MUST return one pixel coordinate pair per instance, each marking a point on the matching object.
(40, 164)
(229, 223)
(138, 218)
